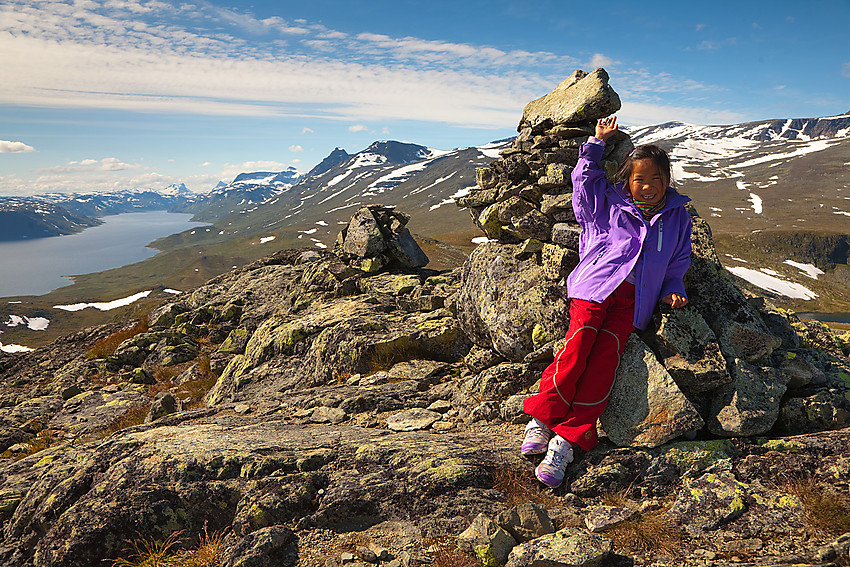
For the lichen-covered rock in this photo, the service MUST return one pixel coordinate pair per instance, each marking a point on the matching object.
(750, 404)
(690, 351)
(581, 97)
(569, 546)
(646, 406)
(412, 420)
(491, 543)
(822, 410)
(502, 299)
(709, 502)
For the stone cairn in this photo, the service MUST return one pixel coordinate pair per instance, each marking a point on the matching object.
(526, 194)
(725, 365)
(376, 237)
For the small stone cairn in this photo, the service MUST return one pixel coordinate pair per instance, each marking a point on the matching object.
(526, 194)
(376, 237)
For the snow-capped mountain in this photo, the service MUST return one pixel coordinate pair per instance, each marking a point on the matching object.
(124, 201)
(243, 193)
(774, 174)
(24, 218)
(422, 181)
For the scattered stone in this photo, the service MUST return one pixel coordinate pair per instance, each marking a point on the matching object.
(525, 522)
(366, 554)
(413, 420)
(163, 404)
(324, 414)
(440, 406)
(489, 541)
(565, 547)
(602, 518)
(241, 408)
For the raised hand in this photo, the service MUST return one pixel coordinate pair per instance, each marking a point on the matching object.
(606, 127)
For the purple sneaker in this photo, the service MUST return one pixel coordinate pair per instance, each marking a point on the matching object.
(537, 437)
(552, 468)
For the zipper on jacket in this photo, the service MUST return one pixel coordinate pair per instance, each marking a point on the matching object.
(660, 232)
(587, 267)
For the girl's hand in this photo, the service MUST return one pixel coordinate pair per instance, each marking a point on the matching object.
(675, 300)
(606, 127)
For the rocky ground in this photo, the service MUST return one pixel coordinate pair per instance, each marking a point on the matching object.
(354, 407)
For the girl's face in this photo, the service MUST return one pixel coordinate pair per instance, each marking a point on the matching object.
(646, 182)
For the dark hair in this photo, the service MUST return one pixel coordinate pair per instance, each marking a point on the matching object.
(648, 151)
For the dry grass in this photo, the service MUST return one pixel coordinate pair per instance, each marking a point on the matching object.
(826, 510)
(107, 345)
(134, 416)
(649, 532)
(151, 553)
(446, 553)
(42, 440)
(164, 554)
(519, 485)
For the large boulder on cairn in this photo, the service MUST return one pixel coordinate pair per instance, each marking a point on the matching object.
(579, 97)
(376, 236)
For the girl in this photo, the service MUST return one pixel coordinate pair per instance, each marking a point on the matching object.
(635, 247)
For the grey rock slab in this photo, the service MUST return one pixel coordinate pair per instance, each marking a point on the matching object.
(569, 547)
(646, 406)
(413, 419)
(709, 502)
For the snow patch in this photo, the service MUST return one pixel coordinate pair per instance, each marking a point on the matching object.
(756, 201)
(11, 349)
(172, 291)
(463, 192)
(32, 323)
(772, 283)
(105, 306)
(808, 269)
(265, 239)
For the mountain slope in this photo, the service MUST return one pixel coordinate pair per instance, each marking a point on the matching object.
(22, 219)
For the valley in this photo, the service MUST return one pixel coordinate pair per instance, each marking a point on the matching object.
(776, 197)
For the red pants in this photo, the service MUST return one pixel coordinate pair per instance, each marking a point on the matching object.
(575, 387)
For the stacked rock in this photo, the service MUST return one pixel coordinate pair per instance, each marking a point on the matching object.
(377, 237)
(526, 194)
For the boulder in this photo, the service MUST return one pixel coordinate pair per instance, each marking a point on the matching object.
(581, 97)
(646, 406)
(526, 522)
(489, 541)
(750, 404)
(502, 299)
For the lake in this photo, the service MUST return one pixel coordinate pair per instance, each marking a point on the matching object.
(35, 267)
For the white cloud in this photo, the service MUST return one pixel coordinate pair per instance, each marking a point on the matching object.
(89, 165)
(14, 147)
(295, 148)
(599, 60)
(306, 130)
(643, 114)
(229, 171)
(357, 128)
(206, 164)
(845, 69)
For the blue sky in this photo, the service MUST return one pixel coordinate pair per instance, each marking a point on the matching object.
(114, 94)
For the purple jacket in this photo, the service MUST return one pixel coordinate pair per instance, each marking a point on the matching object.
(615, 239)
